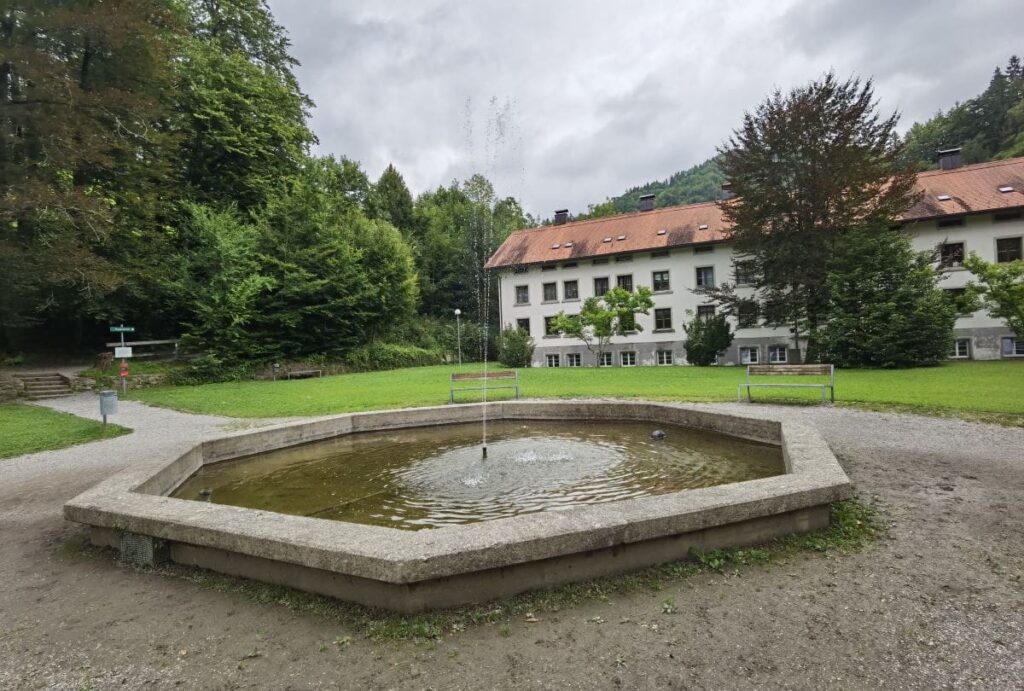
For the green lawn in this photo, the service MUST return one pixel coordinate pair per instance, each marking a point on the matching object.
(27, 429)
(953, 388)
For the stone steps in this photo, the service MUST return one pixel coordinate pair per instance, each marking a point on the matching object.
(45, 385)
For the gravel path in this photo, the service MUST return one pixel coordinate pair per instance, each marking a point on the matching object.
(938, 604)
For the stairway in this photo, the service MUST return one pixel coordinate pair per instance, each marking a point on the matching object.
(45, 385)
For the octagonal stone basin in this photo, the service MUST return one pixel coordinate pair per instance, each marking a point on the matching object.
(462, 563)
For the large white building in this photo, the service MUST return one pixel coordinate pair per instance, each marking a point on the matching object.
(543, 271)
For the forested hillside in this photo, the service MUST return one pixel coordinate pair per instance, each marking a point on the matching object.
(155, 167)
(987, 127)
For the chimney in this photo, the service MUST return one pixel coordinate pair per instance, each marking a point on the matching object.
(561, 217)
(950, 159)
(727, 192)
(646, 202)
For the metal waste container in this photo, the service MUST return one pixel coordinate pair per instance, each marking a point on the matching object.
(108, 403)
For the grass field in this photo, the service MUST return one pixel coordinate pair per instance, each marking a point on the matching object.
(978, 388)
(27, 429)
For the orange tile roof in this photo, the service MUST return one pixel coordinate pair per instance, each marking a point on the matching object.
(971, 189)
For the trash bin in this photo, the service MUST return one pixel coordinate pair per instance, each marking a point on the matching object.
(108, 403)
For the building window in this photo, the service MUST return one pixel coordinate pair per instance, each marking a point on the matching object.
(552, 360)
(550, 292)
(523, 324)
(571, 290)
(600, 260)
(659, 254)
(744, 272)
(705, 311)
(522, 295)
(663, 318)
(569, 265)
(703, 249)
(1013, 347)
(659, 280)
(572, 360)
(627, 358)
(664, 357)
(748, 356)
(600, 286)
(961, 349)
(520, 269)
(625, 281)
(951, 254)
(605, 360)
(705, 277)
(624, 257)
(548, 267)
(958, 298)
(1006, 216)
(746, 314)
(1008, 250)
(949, 222)
(777, 355)
(548, 331)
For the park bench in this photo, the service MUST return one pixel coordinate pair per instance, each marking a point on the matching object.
(483, 378)
(304, 373)
(789, 370)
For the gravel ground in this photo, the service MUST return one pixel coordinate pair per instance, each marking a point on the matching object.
(939, 603)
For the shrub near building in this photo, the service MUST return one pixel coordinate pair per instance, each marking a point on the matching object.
(885, 308)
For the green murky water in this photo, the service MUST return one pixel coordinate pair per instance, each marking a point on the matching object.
(431, 477)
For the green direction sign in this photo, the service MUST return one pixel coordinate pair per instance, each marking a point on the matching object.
(122, 329)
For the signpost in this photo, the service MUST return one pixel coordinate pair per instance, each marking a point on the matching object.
(123, 352)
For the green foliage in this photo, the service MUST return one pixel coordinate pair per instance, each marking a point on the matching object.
(601, 319)
(701, 183)
(989, 126)
(809, 167)
(706, 339)
(208, 369)
(378, 355)
(515, 347)
(390, 201)
(1001, 290)
(885, 309)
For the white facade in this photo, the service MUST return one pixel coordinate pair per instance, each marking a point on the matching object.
(983, 337)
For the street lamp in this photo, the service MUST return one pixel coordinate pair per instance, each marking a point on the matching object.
(458, 331)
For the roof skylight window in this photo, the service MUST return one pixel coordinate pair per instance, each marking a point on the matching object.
(622, 237)
(569, 244)
(662, 232)
(607, 240)
(1006, 188)
(555, 246)
(943, 197)
(702, 226)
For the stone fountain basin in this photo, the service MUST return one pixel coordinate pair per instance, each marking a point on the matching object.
(418, 570)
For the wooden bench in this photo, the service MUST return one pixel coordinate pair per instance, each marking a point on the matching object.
(304, 373)
(789, 371)
(511, 376)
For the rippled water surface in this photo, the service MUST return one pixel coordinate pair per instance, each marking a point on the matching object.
(430, 477)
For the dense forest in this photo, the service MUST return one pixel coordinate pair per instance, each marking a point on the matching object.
(987, 127)
(156, 170)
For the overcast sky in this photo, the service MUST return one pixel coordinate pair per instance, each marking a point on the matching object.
(564, 103)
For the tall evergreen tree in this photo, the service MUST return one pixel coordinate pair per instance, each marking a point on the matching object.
(390, 201)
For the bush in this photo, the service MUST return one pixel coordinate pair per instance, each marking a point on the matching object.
(885, 309)
(706, 339)
(379, 356)
(207, 369)
(515, 347)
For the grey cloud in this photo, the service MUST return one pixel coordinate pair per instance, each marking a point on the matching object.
(574, 101)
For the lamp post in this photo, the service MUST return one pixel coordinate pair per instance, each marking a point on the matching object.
(458, 331)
